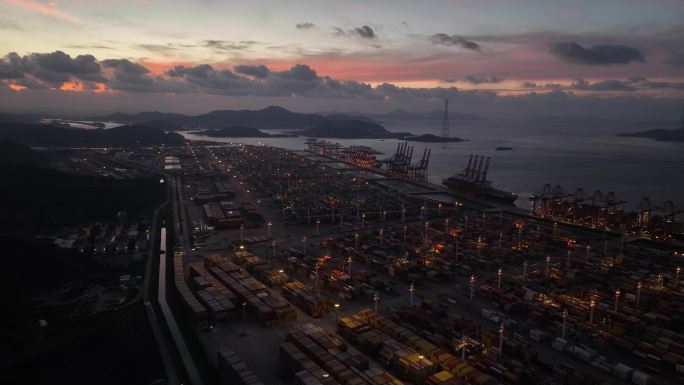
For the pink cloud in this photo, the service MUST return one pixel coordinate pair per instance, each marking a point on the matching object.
(44, 8)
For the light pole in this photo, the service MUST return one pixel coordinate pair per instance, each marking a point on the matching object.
(426, 232)
(592, 305)
(446, 225)
(356, 241)
(555, 227)
(363, 219)
(499, 273)
(660, 281)
(382, 231)
(273, 245)
(422, 212)
(565, 322)
(376, 298)
(546, 269)
(304, 245)
(244, 318)
(472, 286)
(403, 214)
(617, 298)
(501, 339)
(349, 263)
(405, 227)
(588, 250)
(316, 267)
(337, 309)
(500, 239)
(638, 296)
(412, 290)
(384, 215)
(677, 271)
(269, 225)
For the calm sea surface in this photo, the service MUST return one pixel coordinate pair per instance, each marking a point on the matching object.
(568, 154)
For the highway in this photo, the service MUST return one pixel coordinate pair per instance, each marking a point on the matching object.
(182, 347)
(149, 309)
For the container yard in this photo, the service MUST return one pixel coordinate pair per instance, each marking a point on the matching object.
(316, 268)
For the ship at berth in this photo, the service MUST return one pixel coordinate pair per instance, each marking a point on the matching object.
(473, 184)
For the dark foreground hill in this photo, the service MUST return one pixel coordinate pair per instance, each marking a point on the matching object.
(57, 136)
(16, 153)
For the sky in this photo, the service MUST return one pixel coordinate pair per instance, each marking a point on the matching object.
(514, 58)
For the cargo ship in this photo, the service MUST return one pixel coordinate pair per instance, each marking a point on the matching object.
(473, 184)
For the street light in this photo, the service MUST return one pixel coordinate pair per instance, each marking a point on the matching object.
(337, 308)
(499, 273)
(304, 245)
(349, 262)
(546, 270)
(677, 271)
(472, 286)
(376, 298)
(381, 233)
(501, 338)
(269, 225)
(617, 298)
(412, 289)
(639, 285)
(446, 225)
(426, 231)
(356, 241)
(565, 321)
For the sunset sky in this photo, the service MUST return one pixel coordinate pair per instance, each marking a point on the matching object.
(193, 56)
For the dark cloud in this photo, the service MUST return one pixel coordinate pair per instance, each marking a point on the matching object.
(675, 59)
(604, 85)
(444, 39)
(365, 32)
(337, 31)
(602, 54)
(529, 85)
(12, 66)
(259, 71)
(305, 25)
(129, 76)
(474, 79)
(159, 48)
(225, 45)
(54, 68)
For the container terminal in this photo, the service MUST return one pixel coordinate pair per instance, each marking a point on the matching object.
(329, 266)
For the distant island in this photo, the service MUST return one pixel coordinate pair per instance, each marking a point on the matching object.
(430, 138)
(45, 135)
(268, 118)
(351, 129)
(663, 135)
(239, 132)
(503, 148)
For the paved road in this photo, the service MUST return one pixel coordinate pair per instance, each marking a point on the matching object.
(149, 309)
